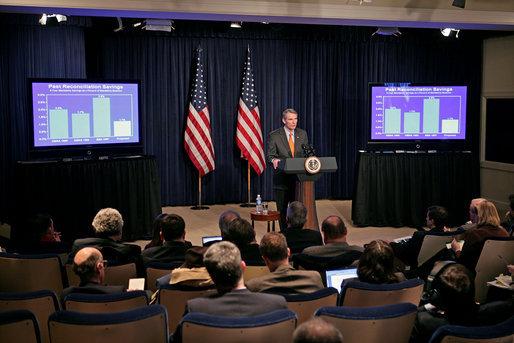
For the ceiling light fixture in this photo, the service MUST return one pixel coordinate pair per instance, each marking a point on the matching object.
(51, 19)
(236, 24)
(165, 25)
(448, 31)
(387, 31)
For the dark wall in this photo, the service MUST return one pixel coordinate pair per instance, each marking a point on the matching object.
(321, 71)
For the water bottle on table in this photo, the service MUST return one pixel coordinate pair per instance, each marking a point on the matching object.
(258, 204)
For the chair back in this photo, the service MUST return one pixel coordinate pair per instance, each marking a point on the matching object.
(174, 299)
(41, 303)
(304, 305)
(116, 274)
(433, 242)
(254, 271)
(155, 270)
(496, 254)
(379, 324)
(19, 326)
(144, 324)
(25, 273)
(499, 333)
(105, 303)
(362, 294)
(277, 326)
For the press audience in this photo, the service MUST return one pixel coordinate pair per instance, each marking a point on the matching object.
(242, 234)
(376, 264)
(89, 266)
(335, 237)
(174, 246)
(283, 278)
(108, 226)
(317, 330)
(297, 237)
(224, 264)
(488, 225)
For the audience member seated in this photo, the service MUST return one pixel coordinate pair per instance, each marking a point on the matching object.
(108, 225)
(488, 224)
(297, 237)
(225, 219)
(43, 237)
(173, 235)
(317, 330)
(376, 264)
(283, 277)
(191, 274)
(408, 251)
(508, 223)
(335, 239)
(242, 234)
(88, 264)
(451, 300)
(156, 232)
(472, 223)
(224, 264)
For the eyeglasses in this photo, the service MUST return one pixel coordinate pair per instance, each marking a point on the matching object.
(104, 263)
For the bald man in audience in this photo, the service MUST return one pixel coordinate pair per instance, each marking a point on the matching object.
(317, 330)
(283, 278)
(89, 266)
(335, 239)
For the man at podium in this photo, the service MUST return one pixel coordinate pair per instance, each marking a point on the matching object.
(285, 142)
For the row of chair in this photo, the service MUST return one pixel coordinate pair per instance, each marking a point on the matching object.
(384, 324)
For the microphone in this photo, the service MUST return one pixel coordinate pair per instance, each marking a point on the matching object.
(308, 150)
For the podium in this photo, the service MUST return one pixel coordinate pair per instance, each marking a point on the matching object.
(304, 191)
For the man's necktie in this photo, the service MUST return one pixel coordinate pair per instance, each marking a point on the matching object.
(291, 144)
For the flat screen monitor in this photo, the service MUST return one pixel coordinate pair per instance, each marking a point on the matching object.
(74, 117)
(417, 116)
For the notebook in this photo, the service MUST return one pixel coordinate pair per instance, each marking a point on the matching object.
(210, 239)
(336, 277)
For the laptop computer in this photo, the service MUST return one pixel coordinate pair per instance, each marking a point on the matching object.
(336, 277)
(210, 239)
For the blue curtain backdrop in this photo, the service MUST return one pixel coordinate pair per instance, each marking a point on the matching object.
(321, 71)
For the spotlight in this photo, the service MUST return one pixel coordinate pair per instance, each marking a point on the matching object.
(448, 31)
(459, 3)
(236, 24)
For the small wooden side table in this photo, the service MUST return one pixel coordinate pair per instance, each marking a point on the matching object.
(261, 217)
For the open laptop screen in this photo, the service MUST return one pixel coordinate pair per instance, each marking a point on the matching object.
(336, 277)
(210, 239)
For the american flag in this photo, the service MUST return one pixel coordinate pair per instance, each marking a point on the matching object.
(197, 138)
(249, 132)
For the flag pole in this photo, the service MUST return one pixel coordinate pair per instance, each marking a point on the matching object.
(248, 204)
(200, 207)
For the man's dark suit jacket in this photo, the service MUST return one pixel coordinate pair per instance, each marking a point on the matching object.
(169, 252)
(111, 250)
(300, 238)
(251, 253)
(408, 251)
(91, 288)
(278, 147)
(236, 303)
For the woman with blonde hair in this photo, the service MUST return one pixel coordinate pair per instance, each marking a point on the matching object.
(488, 225)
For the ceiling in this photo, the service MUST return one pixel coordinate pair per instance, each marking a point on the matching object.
(477, 14)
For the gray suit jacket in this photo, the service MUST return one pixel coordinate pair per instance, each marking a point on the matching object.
(278, 147)
(331, 249)
(287, 280)
(237, 303)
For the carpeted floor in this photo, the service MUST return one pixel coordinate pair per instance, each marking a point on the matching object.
(200, 223)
